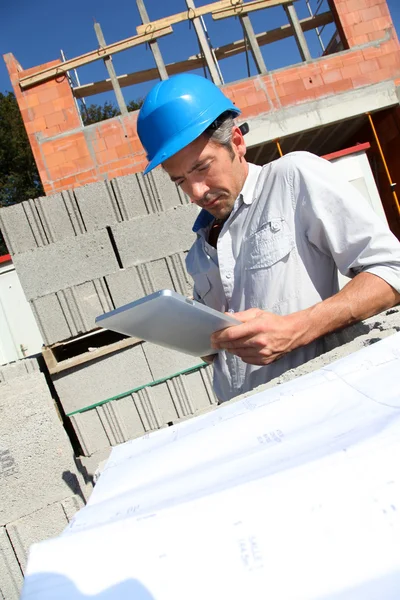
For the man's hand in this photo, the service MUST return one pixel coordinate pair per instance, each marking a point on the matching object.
(262, 338)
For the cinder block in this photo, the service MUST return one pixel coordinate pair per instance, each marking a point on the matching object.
(97, 205)
(125, 286)
(20, 229)
(10, 572)
(165, 273)
(162, 402)
(164, 362)
(148, 409)
(18, 369)
(36, 457)
(51, 319)
(166, 194)
(91, 463)
(155, 236)
(139, 195)
(60, 216)
(72, 311)
(71, 506)
(132, 196)
(103, 378)
(191, 393)
(90, 431)
(65, 264)
(38, 526)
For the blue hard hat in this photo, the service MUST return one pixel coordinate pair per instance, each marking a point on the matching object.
(176, 112)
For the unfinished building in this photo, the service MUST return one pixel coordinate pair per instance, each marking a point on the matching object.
(88, 245)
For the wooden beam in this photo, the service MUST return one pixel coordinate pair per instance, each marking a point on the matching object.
(89, 57)
(254, 47)
(111, 71)
(186, 15)
(197, 61)
(204, 45)
(298, 32)
(153, 44)
(243, 8)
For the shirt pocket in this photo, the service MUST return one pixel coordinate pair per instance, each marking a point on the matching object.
(269, 245)
(202, 285)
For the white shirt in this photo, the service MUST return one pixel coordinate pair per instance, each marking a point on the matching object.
(292, 227)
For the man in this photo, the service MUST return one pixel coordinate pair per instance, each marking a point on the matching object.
(269, 239)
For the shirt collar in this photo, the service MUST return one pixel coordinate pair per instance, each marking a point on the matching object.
(247, 194)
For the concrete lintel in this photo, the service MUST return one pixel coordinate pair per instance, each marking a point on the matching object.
(317, 113)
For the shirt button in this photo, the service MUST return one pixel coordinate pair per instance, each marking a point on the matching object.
(275, 226)
(228, 276)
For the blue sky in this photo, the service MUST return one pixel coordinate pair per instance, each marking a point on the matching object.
(36, 31)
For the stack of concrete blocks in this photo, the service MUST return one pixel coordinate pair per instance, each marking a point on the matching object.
(83, 252)
(40, 485)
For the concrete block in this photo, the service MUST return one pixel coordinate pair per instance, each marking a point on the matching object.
(60, 216)
(72, 311)
(20, 229)
(97, 205)
(103, 378)
(65, 264)
(139, 195)
(125, 286)
(148, 409)
(40, 525)
(36, 458)
(71, 506)
(162, 402)
(91, 463)
(123, 420)
(10, 572)
(155, 236)
(132, 196)
(51, 319)
(17, 369)
(164, 362)
(191, 393)
(165, 193)
(90, 431)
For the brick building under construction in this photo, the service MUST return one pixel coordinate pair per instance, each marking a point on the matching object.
(322, 105)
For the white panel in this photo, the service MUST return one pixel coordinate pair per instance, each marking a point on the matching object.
(19, 333)
(356, 169)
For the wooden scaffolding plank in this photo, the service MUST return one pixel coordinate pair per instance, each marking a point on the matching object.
(197, 61)
(298, 32)
(204, 45)
(243, 8)
(254, 47)
(162, 71)
(89, 57)
(111, 71)
(186, 15)
(57, 366)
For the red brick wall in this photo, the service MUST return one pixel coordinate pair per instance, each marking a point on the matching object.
(70, 155)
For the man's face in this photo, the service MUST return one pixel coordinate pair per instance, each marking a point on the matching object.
(210, 174)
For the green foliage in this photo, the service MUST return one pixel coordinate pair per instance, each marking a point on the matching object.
(19, 177)
(100, 112)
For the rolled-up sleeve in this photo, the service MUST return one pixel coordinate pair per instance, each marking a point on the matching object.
(339, 221)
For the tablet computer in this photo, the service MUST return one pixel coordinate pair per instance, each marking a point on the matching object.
(169, 319)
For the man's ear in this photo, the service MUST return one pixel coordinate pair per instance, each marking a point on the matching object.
(238, 141)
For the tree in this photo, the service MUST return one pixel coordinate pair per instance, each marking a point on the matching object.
(19, 177)
(100, 112)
